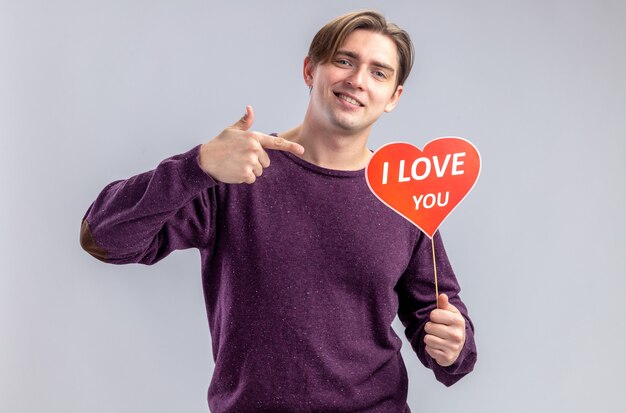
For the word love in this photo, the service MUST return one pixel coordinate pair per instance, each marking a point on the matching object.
(419, 173)
(424, 186)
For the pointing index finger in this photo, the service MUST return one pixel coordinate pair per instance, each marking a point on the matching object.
(281, 144)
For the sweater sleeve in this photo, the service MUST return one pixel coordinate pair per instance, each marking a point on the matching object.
(144, 218)
(416, 292)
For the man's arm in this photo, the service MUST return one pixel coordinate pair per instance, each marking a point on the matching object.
(146, 217)
(417, 305)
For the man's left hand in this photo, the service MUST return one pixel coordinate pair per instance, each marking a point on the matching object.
(445, 333)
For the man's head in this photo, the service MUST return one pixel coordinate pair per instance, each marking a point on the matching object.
(356, 68)
(330, 37)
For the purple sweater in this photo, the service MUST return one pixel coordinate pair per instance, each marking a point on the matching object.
(303, 273)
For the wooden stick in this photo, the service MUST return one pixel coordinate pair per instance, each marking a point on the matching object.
(432, 242)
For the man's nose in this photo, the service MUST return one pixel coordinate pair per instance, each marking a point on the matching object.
(356, 79)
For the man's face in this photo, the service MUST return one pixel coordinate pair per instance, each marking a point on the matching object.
(358, 84)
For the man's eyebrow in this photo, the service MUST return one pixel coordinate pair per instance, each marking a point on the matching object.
(375, 63)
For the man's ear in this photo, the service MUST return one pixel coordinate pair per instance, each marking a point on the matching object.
(307, 71)
(393, 100)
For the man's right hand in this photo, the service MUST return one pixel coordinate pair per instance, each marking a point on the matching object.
(236, 155)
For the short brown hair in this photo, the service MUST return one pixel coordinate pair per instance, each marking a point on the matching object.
(330, 37)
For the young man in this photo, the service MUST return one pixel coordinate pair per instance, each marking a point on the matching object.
(303, 268)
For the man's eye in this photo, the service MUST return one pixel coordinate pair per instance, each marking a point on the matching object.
(379, 74)
(343, 62)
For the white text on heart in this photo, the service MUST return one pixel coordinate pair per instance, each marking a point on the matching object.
(440, 169)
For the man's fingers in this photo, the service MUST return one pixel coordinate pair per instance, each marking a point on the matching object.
(282, 144)
(250, 179)
(438, 330)
(264, 159)
(241, 152)
(443, 317)
(435, 353)
(451, 334)
(441, 357)
(246, 120)
(257, 170)
(435, 342)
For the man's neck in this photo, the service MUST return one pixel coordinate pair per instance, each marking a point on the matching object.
(331, 150)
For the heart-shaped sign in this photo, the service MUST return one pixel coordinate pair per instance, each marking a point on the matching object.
(424, 186)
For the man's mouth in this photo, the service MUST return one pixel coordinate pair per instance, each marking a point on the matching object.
(348, 99)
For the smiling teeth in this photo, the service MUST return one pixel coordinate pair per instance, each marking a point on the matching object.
(349, 99)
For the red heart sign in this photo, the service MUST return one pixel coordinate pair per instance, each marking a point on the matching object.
(424, 186)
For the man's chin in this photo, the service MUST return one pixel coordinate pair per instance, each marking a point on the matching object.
(350, 126)
(346, 124)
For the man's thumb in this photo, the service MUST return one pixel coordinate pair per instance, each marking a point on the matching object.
(246, 120)
(444, 304)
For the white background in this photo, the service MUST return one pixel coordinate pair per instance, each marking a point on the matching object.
(94, 91)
